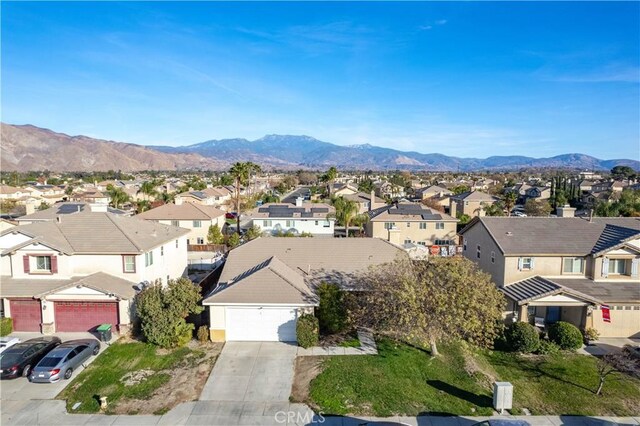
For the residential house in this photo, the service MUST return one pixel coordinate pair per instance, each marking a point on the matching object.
(267, 283)
(538, 193)
(92, 197)
(313, 218)
(63, 209)
(363, 200)
(197, 218)
(563, 268)
(432, 191)
(82, 269)
(470, 203)
(216, 196)
(389, 190)
(339, 189)
(411, 223)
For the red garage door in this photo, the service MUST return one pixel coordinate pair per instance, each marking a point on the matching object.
(26, 315)
(84, 316)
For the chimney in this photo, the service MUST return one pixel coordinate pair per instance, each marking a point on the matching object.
(299, 201)
(30, 207)
(566, 211)
(372, 200)
(98, 207)
(59, 219)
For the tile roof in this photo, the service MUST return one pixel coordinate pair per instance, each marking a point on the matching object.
(538, 287)
(88, 232)
(268, 282)
(336, 260)
(474, 196)
(613, 236)
(65, 208)
(552, 235)
(186, 211)
(607, 292)
(283, 210)
(38, 288)
(408, 212)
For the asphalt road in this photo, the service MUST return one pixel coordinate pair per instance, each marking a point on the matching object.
(299, 192)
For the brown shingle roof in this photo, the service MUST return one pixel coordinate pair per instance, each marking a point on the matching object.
(29, 287)
(186, 211)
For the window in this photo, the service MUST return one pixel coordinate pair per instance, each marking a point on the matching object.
(478, 251)
(443, 242)
(422, 243)
(408, 224)
(389, 225)
(161, 250)
(175, 222)
(129, 264)
(266, 223)
(464, 244)
(43, 263)
(317, 223)
(291, 223)
(407, 241)
(439, 225)
(197, 224)
(148, 258)
(573, 265)
(176, 243)
(327, 224)
(617, 266)
(423, 225)
(493, 257)
(526, 263)
(200, 240)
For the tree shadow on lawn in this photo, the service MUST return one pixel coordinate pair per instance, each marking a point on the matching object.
(475, 399)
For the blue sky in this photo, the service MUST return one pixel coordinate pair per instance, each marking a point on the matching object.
(466, 79)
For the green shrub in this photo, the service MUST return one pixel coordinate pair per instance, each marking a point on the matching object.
(591, 334)
(522, 337)
(307, 330)
(6, 326)
(565, 335)
(203, 333)
(547, 348)
(332, 312)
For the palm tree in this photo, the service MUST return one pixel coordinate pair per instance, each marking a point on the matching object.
(118, 196)
(509, 199)
(360, 221)
(142, 206)
(167, 197)
(330, 177)
(345, 212)
(240, 173)
(253, 168)
(148, 188)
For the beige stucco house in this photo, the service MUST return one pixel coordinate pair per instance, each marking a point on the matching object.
(563, 268)
(267, 283)
(470, 203)
(412, 223)
(197, 218)
(80, 270)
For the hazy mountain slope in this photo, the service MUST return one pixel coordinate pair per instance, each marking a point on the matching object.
(32, 148)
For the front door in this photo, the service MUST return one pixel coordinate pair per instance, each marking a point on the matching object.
(553, 314)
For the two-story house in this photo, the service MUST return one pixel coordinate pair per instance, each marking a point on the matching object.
(216, 196)
(564, 268)
(197, 218)
(365, 201)
(83, 269)
(470, 203)
(314, 218)
(411, 223)
(432, 191)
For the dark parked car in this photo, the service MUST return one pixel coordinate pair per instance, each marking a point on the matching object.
(231, 215)
(61, 361)
(20, 358)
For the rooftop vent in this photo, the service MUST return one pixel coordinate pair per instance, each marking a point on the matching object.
(509, 233)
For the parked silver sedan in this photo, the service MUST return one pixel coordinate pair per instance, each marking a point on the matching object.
(61, 361)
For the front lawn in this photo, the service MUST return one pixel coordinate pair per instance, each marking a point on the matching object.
(407, 381)
(139, 378)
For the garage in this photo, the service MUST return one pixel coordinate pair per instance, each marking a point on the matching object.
(84, 316)
(26, 314)
(269, 324)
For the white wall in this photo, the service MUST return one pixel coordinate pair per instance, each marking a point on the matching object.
(301, 225)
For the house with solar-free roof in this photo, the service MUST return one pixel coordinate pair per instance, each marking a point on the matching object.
(562, 268)
(412, 223)
(317, 219)
(84, 268)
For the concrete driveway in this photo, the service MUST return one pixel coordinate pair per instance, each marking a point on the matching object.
(21, 389)
(252, 371)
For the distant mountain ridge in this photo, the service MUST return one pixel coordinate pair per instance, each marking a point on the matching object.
(27, 147)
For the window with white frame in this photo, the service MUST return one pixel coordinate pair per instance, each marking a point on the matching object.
(439, 225)
(43, 263)
(443, 242)
(197, 224)
(573, 265)
(175, 222)
(408, 224)
(290, 223)
(389, 225)
(423, 225)
(176, 243)
(266, 223)
(493, 257)
(617, 266)
(526, 263)
(327, 224)
(148, 258)
(129, 264)
(407, 241)
(478, 251)
(161, 250)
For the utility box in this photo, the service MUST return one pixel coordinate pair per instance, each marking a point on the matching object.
(502, 396)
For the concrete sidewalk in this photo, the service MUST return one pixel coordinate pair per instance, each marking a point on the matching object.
(219, 413)
(367, 347)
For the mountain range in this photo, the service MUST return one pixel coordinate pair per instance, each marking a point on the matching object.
(27, 147)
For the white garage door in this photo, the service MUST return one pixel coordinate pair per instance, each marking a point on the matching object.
(261, 324)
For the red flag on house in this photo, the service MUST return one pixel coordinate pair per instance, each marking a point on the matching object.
(606, 315)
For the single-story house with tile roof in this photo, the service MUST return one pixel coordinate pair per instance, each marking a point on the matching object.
(267, 283)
